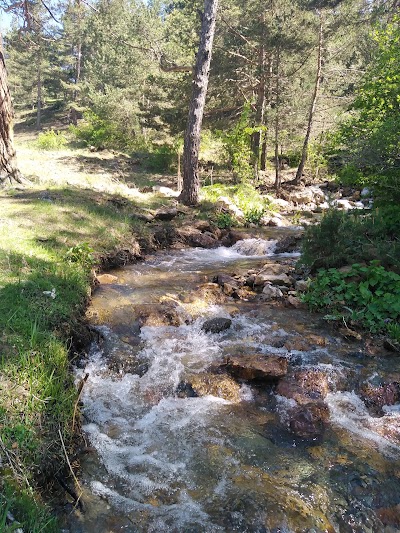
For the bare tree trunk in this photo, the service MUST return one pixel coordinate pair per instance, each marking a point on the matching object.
(39, 90)
(9, 173)
(260, 103)
(304, 153)
(78, 63)
(267, 102)
(277, 158)
(191, 181)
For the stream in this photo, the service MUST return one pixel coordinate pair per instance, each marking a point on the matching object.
(163, 459)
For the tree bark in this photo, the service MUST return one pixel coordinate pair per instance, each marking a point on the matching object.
(191, 182)
(9, 173)
(39, 90)
(276, 141)
(304, 153)
(260, 101)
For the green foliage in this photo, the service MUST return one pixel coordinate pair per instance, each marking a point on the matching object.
(368, 295)
(237, 141)
(160, 158)
(82, 254)
(253, 215)
(343, 238)
(367, 144)
(225, 220)
(51, 140)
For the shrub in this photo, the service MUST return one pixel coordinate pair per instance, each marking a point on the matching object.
(343, 238)
(367, 295)
(51, 140)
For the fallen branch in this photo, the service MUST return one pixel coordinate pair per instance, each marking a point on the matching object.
(78, 497)
(80, 388)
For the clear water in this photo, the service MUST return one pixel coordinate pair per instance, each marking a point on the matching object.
(205, 464)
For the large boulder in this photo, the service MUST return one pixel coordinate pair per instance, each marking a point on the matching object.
(225, 204)
(257, 367)
(288, 244)
(270, 292)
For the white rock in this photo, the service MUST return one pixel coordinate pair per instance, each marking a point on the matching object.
(165, 191)
(365, 193)
(271, 293)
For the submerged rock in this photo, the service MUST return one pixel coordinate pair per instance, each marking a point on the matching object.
(216, 325)
(257, 367)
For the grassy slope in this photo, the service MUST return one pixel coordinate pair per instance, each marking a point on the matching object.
(75, 210)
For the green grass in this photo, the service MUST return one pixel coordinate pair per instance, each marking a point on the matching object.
(49, 241)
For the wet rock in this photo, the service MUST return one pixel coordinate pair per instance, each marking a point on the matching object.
(216, 325)
(390, 516)
(271, 293)
(221, 386)
(304, 386)
(228, 283)
(376, 397)
(309, 421)
(203, 240)
(185, 390)
(297, 343)
(164, 314)
(106, 279)
(257, 367)
(210, 293)
(288, 244)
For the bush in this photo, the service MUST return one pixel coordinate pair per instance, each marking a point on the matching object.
(367, 295)
(343, 238)
(51, 140)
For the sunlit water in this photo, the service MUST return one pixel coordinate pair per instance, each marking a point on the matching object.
(203, 464)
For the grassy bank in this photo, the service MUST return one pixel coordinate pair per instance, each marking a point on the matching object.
(52, 235)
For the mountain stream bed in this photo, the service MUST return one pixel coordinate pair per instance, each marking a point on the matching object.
(166, 459)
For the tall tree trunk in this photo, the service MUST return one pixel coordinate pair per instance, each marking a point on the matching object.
(267, 102)
(74, 115)
(317, 84)
(39, 90)
(9, 173)
(260, 101)
(191, 181)
(277, 102)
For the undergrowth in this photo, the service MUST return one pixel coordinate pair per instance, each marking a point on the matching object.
(364, 295)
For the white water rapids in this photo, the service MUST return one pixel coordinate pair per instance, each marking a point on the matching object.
(164, 463)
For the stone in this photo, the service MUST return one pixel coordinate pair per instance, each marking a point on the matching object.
(271, 293)
(166, 214)
(224, 279)
(288, 244)
(219, 385)
(376, 397)
(216, 325)
(304, 386)
(275, 279)
(309, 421)
(165, 191)
(344, 204)
(106, 279)
(202, 225)
(225, 204)
(295, 302)
(164, 314)
(275, 222)
(146, 217)
(203, 240)
(301, 285)
(211, 293)
(257, 367)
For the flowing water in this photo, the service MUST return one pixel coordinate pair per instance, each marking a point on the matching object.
(165, 463)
